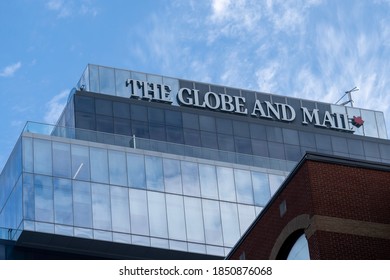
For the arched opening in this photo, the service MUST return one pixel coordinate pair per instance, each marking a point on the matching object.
(295, 247)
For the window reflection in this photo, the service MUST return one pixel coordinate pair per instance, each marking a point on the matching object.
(261, 188)
(101, 208)
(157, 214)
(243, 182)
(176, 219)
(212, 222)
(190, 178)
(226, 184)
(230, 225)
(42, 157)
(120, 209)
(208, 181)
(61, 160)
(154, 173)
(136, 171)
(63, 201)
(172, 176)
(82, 214)
(117, 165)
(99, 165)
(193, 213)
(139, 212)
(43, 199)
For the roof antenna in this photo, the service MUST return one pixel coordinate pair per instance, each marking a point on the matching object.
(349, 97)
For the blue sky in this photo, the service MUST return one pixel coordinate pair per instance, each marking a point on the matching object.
(312, 49)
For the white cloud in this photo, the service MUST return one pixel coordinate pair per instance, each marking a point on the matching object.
(55, 107)
(10, 70)
(66, 9)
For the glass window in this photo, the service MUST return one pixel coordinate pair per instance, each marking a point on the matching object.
(212, 222)
(154, 173)
(307, 139)
(290, 136)
(93, 78)
(122, 126)
(117, 167)
(230, 224)
(156, 115)
(275, 181)
(63, 201)
(104, 124)
(371, 149)
(226, 183)
(208, 181)
(274, 134)
(28, 197)
(258, 131)
(207, 123)
(28, 158)
(175, 134)
(99, 165)
(103, 107)
(261, 190)
(194, 218)
(84, 104)
(209, 140)
(101, 208)
(107, 80)
(42, 157)
(61, 160)
(323, 142)
(173, 118)
(243, 182)
(136, 171)
(86, 121)
(300, 249)
(260, 148)
(339, 144)
(224, 126)
(293, 153)
(191, 137)
(120, 209)
(157, 214)
(121, 77)
(370, 126)
(80, 163)
(139, 113)
(121, 110)
(385, 151)
(44, 204)
(380, 120)
(190, 178)
(139, 212)
(172, 176)
(176, 219)
(276, 150)
(157, 132)
(355, 147)
(82, 208)
(241, 129)
(140, 129)
(190, 121)
(243, 145)
(246, 215)
(226, 142)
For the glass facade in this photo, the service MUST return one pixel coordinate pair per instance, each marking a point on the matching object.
(161, 175)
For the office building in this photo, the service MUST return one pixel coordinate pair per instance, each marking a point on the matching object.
(143, 166)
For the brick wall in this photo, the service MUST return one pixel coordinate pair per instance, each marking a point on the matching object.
(341, 205)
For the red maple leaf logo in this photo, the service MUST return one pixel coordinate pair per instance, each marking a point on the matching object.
(357, 121)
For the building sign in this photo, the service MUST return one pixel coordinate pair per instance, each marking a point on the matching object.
(238, 105)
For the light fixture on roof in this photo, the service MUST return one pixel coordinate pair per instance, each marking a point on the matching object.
(349, 97)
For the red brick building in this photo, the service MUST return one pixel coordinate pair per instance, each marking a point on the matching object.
(342, 206)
